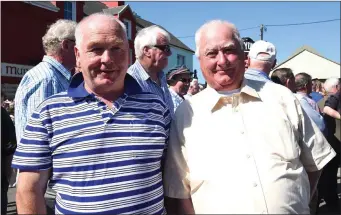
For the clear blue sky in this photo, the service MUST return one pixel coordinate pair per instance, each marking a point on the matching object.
(184, 18)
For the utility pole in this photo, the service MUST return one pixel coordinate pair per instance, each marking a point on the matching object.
(261, 31)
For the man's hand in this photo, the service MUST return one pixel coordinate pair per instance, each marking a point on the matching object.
(31, 189)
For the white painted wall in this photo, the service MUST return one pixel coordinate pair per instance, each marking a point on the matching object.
(172, 60)
(314, 65)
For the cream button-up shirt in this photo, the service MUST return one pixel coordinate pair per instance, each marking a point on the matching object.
(247, 153)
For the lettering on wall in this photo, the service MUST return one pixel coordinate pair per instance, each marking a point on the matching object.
(14, 70)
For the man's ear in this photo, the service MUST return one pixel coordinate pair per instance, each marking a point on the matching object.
(77, 55)
(65, 44)
(146, 51)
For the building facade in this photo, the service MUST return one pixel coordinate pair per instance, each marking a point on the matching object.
(24, 23)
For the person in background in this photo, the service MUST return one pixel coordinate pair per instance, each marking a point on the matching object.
(261, 60)
(236, 148)
(303, 85)
(49, 77)
(8, 146)
(317, 90)
(152, 50)
(332, 109)
(178, 79)
(101, 143)
(193, 89)
(285, 77)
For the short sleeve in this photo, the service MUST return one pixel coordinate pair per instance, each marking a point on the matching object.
(316, 152)
(33, 152)
(332, 102)
(176, 172)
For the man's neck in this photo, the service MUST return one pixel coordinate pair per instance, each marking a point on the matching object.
(107, 97)
(262, 69)
(60, 60)
(152, 72)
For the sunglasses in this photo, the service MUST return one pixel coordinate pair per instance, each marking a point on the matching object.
(164, 48)
(185, 80)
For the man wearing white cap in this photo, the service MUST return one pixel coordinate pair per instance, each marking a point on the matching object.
(261, 60)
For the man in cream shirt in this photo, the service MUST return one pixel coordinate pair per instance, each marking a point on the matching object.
(240, 146)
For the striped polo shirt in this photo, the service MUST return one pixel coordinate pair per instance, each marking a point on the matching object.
(104, 161)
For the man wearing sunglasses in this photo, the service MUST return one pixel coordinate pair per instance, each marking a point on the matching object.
(152, 51)
(178, 79)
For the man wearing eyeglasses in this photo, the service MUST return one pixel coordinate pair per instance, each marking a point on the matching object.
(152, 51)
(178, 79)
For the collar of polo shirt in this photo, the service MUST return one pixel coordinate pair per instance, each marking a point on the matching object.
(77, 90)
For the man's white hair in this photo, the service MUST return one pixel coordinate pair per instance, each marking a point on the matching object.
(61, 30)
(148, 37)
(79, 30)
(330, 83)
(210, 24)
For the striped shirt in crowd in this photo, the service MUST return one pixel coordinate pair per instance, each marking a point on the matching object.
(148, 85)
(104, 161)
(177, 100)
(49, 77)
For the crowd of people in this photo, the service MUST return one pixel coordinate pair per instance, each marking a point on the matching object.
(112, 138)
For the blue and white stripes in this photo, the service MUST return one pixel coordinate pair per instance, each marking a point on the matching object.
(148, 85)
(42, 81)
(105, 161)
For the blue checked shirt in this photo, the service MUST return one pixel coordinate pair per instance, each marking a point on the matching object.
(49, 77)
(177, 100)
(148, 85)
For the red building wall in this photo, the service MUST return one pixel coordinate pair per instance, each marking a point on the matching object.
(22, 28)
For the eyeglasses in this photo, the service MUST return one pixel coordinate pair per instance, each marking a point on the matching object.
(185, 80)
(164, 48)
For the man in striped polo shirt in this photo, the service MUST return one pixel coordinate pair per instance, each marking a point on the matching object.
(102, 141)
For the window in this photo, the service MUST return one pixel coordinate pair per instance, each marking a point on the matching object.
(128, 26)
(180, 60)
(70, 10)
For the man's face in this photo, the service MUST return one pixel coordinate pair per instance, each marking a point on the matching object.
(102, 55)
(159, 53)
(182, 83)
(221, 59)
(194, 89)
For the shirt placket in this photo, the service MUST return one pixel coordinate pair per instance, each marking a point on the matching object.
(254, 184)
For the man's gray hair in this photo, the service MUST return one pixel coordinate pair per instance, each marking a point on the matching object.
(148, 37)
(61, 30)
(330, 83)
(79, 32)
(211, 23)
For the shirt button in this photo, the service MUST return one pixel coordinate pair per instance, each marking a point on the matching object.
(248, 156)
(242, 132)
(254, 184)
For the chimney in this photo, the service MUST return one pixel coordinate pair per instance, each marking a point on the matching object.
(110, 4)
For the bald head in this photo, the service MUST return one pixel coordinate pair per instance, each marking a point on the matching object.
(96, 20)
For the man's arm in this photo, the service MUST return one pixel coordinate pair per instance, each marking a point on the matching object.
(30, 192)
(331, 112)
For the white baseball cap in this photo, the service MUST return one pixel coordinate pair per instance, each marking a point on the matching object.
(264, 47)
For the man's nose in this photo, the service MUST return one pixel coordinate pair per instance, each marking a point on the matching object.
(222, 59)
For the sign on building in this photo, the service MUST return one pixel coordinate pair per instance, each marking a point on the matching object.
(14, 70)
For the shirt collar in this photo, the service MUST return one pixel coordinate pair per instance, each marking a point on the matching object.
(215, 100)
(60, 67)
(143, 74)
(77, 89)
